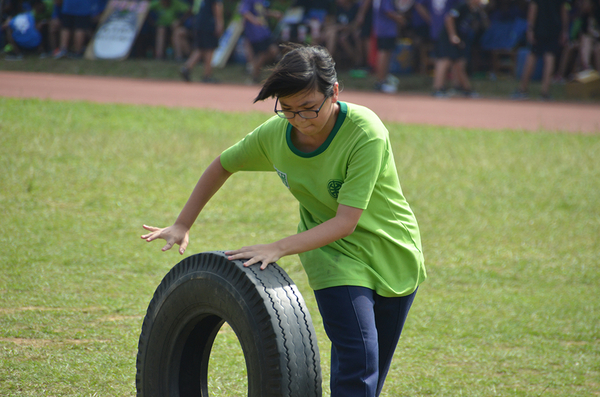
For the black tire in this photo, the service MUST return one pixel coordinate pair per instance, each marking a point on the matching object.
(263, 307)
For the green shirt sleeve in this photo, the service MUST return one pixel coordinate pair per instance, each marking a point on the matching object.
(250, 153)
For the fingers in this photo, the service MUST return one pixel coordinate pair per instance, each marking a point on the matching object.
(253, 255)
(167, 246)
(151, 236)
(184, 245)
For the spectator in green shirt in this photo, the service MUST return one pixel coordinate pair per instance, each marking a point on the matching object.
(169, 17)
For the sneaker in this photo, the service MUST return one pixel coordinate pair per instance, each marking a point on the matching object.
(389, 88)
(470, 94)
(392, 80)
(13, 56)
(185, 74)
(519, 95)
(385, 87)
(59, 54)
(452, 92)
(439, 94)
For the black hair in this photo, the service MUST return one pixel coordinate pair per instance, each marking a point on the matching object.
(302, 68)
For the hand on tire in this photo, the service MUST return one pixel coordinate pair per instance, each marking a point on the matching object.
(175, 234)
(265, 253)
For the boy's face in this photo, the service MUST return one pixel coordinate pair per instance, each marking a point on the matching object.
(311, 100)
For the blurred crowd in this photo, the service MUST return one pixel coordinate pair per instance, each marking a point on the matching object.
(450, 39)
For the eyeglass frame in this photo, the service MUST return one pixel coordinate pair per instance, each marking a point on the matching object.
(298, 112)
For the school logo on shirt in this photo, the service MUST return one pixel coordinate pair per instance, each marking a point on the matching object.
(333, 187)
(283, 177)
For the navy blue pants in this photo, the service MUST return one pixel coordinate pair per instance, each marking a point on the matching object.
(364, 329)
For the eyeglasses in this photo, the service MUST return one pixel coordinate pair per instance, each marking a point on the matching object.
(305, 114)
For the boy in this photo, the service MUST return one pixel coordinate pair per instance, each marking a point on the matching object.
(357, 239)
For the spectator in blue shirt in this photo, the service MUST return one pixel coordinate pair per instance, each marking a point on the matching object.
(21, 32)
(76, 19)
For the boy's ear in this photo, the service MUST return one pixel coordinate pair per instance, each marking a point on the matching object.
(336, 92)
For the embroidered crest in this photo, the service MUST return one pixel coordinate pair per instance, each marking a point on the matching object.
(333, 187)
(283, 177)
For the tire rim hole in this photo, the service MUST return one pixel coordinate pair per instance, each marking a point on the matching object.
(227, 372)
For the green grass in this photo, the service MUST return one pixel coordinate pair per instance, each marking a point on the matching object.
(510, 226)
(502, 87)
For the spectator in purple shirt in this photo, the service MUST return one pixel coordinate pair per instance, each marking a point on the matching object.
(258, 33)
(385, 22)
(76, 18)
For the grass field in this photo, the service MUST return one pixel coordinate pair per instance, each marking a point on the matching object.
(510, 224)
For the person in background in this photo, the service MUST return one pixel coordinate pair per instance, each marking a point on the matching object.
(21, 32)
(54, 27)
(433, 12)
(342, 36)
(169, 16)
(316, 15)
(43, 18)
(208, 27)
(589, 37)
(547, 29)
(453, 47)
(385, 22)
(258, 33)
(364, 21)
(76, 21)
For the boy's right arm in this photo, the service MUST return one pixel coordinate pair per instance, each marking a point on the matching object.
(210, 182)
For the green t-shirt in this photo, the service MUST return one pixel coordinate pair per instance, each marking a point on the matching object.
(354, 167)
(166, 16)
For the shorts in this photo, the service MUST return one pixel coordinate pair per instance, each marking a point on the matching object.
(77, 22)
(258, 47)
(205, 40)
(386, 43)
(545, 45)
(445, 49)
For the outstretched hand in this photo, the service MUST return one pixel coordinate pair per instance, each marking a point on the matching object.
(265, 253)
(175, 234)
